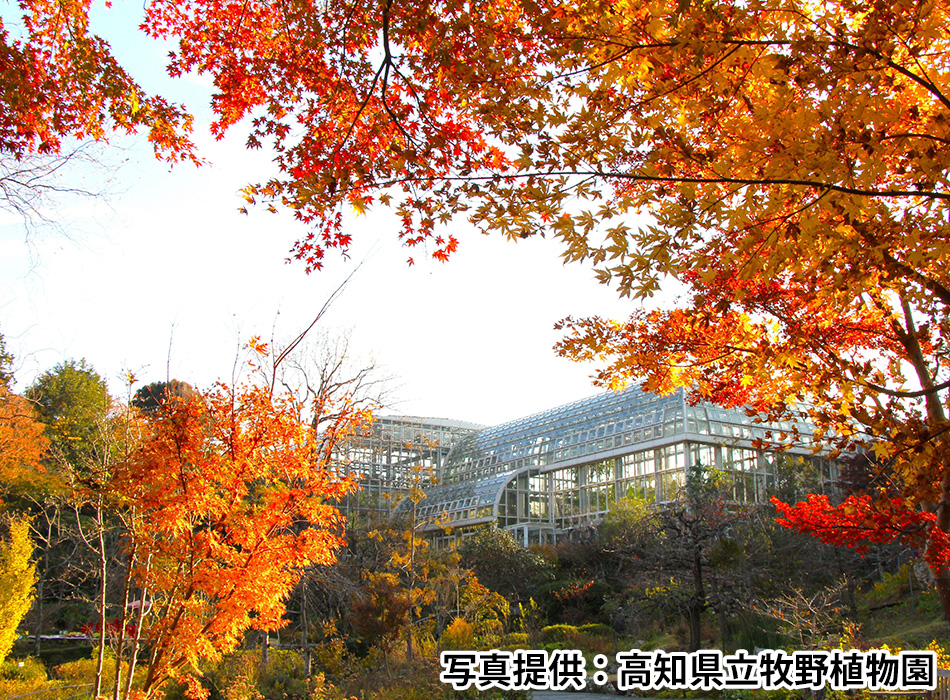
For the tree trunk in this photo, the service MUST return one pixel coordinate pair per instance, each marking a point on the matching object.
(725, 634)
(139, 621)
(693, 615)
(136, 642)
(103, 566)
(412, 581)
(40, 597)
(46, 540)
(942, 582)
(698, 603)
(120, 643)
(304, 630)
(937, 418)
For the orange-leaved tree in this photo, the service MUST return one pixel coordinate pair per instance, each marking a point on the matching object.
(60, 81)
(776, 120)
(22, 443)
(226, 502)
(793, 160)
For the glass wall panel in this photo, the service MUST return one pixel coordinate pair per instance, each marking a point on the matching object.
(705, 455)
(637, 464)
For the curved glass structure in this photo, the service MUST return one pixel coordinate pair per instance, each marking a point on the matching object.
(548, 474)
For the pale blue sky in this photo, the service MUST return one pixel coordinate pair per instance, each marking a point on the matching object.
(469, 340)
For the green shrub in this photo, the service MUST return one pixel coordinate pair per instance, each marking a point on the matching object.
(28, 669)
(516, 640)
(559, 633)
(489, 634)
(242, 676)
(574, 602)
(891, 588)
(331, 657)
(596, 638)
(36, 689)
(27, 678)
(82, 669)
(285, 676)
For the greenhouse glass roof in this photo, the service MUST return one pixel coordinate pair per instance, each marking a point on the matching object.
(600, 427)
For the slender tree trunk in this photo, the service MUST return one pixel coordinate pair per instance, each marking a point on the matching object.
(304, 629)
(721, 616)
(725, 634)
(46, 540)
(136, 643)
(698, 603)
(140, 619)
(123, 614)
(103, 565)
(412, 570)
(937, 418)
(40, 599)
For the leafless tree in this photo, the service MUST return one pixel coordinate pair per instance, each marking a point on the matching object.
(324, 369)
(319, 368)
(36, 186)
(814, 618)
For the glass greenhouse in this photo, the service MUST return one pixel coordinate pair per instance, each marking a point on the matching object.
(543, 476)
(393, 455)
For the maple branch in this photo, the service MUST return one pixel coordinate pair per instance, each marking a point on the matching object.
(690, 80)
(346, 27)
(359, 112)
(415, 95)
(600, 64)
(929, 283)
(915, 135)
(784, 218)
(711, 360)
(936, 414)
(389, 110)
(240, 19)
(902, 268)
(775, 181)
(627, 47)
(642, 177)
(904, 394)
(834, 40)
(382, 71)
(924, 82)
(387, 63)
(832, 357)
